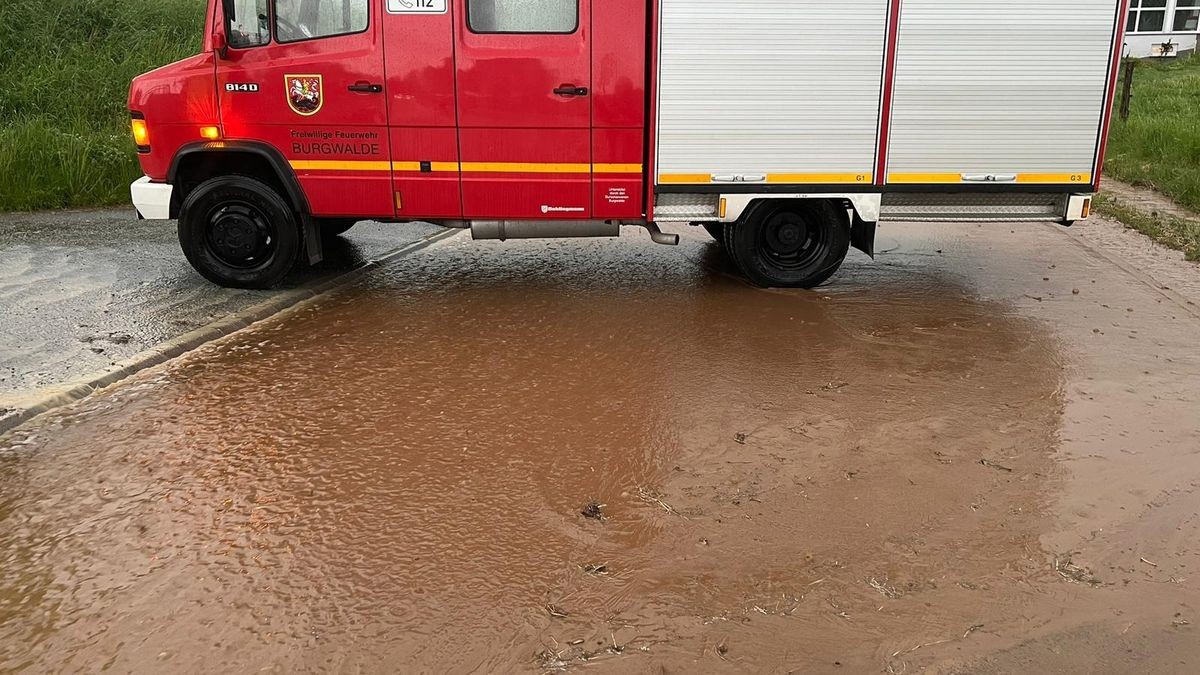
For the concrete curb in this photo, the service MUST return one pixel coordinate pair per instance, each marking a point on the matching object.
(66, 394)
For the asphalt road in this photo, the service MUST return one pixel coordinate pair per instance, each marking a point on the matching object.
(978, 454)
(82, 290)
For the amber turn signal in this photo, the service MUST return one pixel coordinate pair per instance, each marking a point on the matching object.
(141, 134)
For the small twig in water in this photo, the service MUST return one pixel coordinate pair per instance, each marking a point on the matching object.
(556, 611)
(970, 630)
(992, 465)
(651, 498)
(883, 587)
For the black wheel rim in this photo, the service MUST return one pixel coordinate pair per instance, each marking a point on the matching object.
(792, 241)
(240, 236)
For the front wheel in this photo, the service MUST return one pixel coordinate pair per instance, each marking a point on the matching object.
(239, 233)
(790, 244)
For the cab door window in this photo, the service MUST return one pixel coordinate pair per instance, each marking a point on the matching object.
(248, 24)
(297, 20)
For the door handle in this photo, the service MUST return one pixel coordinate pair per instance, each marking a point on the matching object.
(366, 88)
(571, 90)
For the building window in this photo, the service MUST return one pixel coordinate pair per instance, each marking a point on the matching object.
(1187, 16)
(1147, 16)
(523, 16)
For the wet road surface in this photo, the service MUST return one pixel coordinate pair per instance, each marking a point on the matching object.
(979, 454)
(82, 290)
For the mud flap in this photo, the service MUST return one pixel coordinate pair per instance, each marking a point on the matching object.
(312, 240)
(862, 236)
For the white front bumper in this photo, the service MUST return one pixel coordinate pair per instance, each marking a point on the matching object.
(152, 200)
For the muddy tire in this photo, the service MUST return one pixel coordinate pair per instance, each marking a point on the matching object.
(334, 227)
(239, 233)
(790, 244)
(716, 231)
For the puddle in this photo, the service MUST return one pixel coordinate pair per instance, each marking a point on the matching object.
(396, 477)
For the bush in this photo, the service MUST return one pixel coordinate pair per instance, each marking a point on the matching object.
(65, 70)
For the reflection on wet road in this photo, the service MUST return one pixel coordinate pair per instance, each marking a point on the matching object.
(393, 478)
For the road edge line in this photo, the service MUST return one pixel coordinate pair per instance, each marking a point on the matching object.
(79, 389)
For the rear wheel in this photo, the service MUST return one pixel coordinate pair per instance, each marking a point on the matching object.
(239, 233)
(790, 244)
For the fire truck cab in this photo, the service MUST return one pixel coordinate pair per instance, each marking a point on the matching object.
(786, 128)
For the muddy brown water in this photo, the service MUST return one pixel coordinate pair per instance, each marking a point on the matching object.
(392, 479)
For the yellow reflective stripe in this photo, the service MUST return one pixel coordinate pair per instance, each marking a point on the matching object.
(678, 178)
(525, 167)
(924, 178)
(1054, 178)
(797, 178)
(1041, 178)
(433, 166)
(684, 178)
(817, 178)
(333, 165)
(481, 167)
(617, 168)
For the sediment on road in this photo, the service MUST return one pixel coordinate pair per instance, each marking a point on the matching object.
(975, 455)
(1153, 214)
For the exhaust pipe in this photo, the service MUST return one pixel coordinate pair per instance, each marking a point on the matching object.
(542, 229)
(658, 236)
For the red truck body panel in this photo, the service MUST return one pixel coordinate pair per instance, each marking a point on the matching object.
(340, 152)
(178, 100)
(463, 124)
(458, 124)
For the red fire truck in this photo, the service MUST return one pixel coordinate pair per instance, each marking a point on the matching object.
(786, 128)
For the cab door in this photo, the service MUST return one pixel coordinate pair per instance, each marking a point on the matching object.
(524, 108)
(306, 77)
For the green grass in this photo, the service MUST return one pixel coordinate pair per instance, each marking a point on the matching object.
(1177, 233)
(65, 67)
(1159, 146)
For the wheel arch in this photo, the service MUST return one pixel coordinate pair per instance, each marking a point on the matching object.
(861, 211)
(198, 162)
(866, 206)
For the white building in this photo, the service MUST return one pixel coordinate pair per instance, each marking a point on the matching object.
(1155, 23)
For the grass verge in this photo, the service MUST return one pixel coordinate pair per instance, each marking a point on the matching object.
(1168, 230)
(65, 66)
(1159, 145)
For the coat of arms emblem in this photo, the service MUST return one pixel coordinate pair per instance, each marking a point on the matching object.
(304, 93)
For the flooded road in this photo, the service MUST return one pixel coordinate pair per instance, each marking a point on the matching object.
(979, 454)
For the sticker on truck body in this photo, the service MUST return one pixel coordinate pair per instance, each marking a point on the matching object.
(416, 6)
(305, 93)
